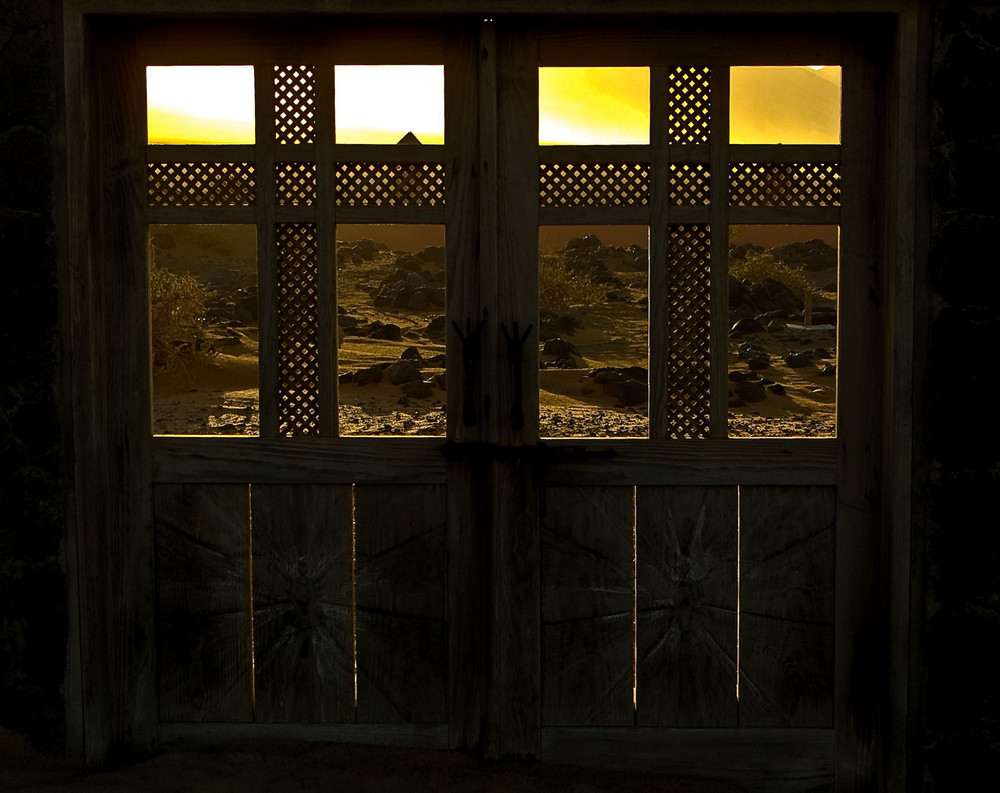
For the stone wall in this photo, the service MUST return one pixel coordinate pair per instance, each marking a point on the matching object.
(961, 723)
(32, 509)
(958, 446)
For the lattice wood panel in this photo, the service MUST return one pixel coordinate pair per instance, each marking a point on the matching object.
(200, 184)
(594, 184)
(689, 184)
(298, 329)
(689, 343)
(689, 102)
(295, 183)
(295, 104)
(784, 184)
(389, 184)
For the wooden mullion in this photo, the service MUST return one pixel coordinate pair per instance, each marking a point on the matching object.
(718, 221)
(594, 215)
(388, 153)
(164, 152)
(267, 270)
(659, 250)
(559, 155)
(785, 153)
(811, 216)
(390, 214)
(326, 219)
(166, 215)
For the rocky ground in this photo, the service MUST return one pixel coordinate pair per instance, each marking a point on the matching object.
(593, 376)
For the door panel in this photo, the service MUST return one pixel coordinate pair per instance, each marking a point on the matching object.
(303, 640)
(203, 603)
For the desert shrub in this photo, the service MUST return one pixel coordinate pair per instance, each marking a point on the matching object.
(176, 308)
(562, 287)
(756, 266)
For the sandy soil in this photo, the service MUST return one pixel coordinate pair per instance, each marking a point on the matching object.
(299, 767)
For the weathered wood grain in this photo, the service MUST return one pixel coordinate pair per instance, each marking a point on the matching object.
(752, 760)
(203, 596)
(303, 604)
(786, 606)
(686, 606)
(587, 600)
(400, 595)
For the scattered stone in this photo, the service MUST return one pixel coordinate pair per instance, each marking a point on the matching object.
(560, 347)
(829, 370)
(751, 391)
(403, 372)
(387, 332)
(745, 327)
(775, 388)
(437, 328)
(372, 374)
(417, 389)
(412, 354)
(798, 360)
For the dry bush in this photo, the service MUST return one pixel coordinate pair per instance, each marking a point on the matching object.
(177, 309)
(563, 287)
(758, 266)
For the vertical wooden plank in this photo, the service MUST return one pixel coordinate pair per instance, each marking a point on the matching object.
(861, 628)
(400, 584)
(515, 677)
(302, 610)
(203, 602)
(719, 229)
(587, 600)
(329, 398)
(116, 546)
(659, 246)
(468, 518)
(267, 271)
(786, 606)
(686, 606)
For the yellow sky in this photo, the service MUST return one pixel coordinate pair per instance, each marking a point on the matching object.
(580, 105)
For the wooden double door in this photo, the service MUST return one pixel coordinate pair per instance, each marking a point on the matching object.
(491, 589)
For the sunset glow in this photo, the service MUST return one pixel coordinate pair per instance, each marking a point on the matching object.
(200, 104)
(577, 105)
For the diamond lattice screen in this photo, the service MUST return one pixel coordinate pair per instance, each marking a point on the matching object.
(295, 104)
(689, 185)
(689, 103)
(594, 184)
(689, 343)
(200, 184)
(784, 184)
(390, 184)
(295, 183)
(298, 329)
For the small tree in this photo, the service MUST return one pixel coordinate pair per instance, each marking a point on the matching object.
(560, 286)
(177, 311)
(755, 267)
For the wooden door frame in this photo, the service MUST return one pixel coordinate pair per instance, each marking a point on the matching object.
(110, 683)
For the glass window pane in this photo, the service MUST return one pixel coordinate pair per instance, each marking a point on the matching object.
(593, 331)
(590, 105)
(200, 104)
(784, 104)
(389, 104)
(391, 329)
(783, 337)
(204, 330)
